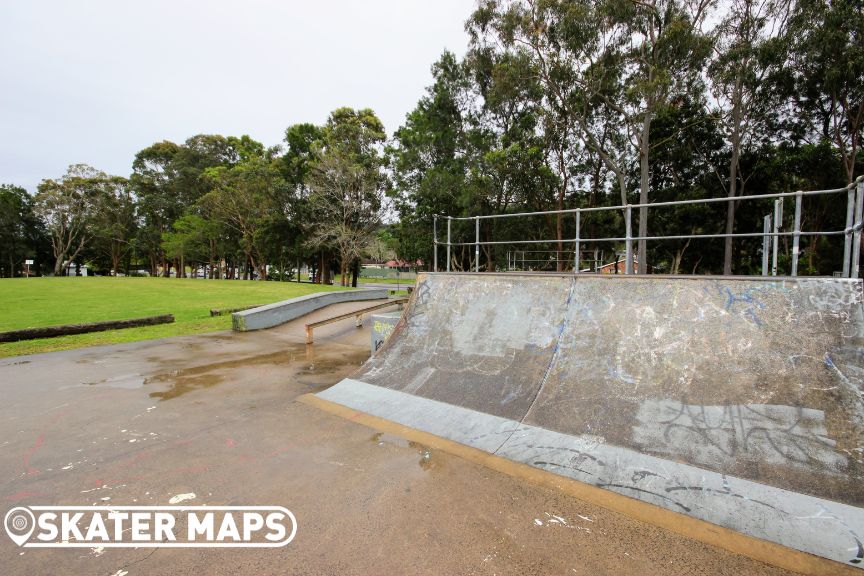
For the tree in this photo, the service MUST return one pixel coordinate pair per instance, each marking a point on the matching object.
(169, 181)
(189, 240)
(346, 185)
(345, 202)
(429, 157)
(746, 56)
(571, 48)
(66, 208)
(662, 50)
(114, 221)
(154, 180)
(21, 233)
(243, 198)
(826, 66)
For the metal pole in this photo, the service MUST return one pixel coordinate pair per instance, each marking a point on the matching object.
(449, 219)
(778, 217)
(628, 265)
(766, 244)
(847, 242)
(477, 244)
(856, 238)
(578, 224)
(434, 242)
(796, 234)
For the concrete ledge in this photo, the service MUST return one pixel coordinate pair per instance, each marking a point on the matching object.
(280, 312)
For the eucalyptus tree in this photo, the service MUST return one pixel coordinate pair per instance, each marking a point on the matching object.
(168, 180)
(747, 54)
(569, 54)
(155, 181)
(67, 208)
(346, 184)
(826, 65)
(615, 61)
(429, 157)
(243, 197)
(114, 222)
(660, 48)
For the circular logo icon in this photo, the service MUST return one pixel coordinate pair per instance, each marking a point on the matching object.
(19, 523)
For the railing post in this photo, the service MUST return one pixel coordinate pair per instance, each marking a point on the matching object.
(856, 237)
(766, 244)
(796, 234)
(434, 242)
(477, 244)
(628, 240)
(778, 219)
(449, 219)
(847, 241)
(578, 224)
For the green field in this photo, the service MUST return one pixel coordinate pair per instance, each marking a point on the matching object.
(402, 281)
(35, 302)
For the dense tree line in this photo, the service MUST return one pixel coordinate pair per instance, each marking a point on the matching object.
(581, 103)
(224, 207)
(557, 104)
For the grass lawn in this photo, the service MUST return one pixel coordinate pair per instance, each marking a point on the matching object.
(405, 281)
(35, 302)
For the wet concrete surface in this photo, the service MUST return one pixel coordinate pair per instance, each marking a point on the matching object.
(215, 415)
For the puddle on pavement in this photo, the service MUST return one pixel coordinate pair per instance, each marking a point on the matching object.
(382, 438)
(182, 381)
(311, 367)
(123, 381)
(427, 460)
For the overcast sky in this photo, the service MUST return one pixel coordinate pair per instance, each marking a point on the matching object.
(95, 81)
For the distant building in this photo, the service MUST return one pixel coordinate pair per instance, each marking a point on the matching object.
(72, 269)
(619, 267)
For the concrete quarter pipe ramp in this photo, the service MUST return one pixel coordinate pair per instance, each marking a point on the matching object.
(734, 401)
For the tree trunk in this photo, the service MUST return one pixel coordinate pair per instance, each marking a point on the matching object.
(325, 269)
(559, 232)
(730, 214)
(644, 182)
(733, 174)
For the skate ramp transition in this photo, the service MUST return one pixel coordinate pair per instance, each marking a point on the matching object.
(737, 401)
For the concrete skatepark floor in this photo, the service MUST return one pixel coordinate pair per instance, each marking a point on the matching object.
(217, 416)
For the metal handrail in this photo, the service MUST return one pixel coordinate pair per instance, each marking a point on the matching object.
(673, 237)
(852, 230)
(657, 204)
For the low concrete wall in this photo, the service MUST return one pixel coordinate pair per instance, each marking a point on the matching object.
(287, 310)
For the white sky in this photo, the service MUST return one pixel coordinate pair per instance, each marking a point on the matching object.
(95, 81)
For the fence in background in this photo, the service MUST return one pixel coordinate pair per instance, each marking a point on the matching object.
(770, 234)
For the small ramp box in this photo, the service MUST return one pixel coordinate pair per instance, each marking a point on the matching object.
(382, 327)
